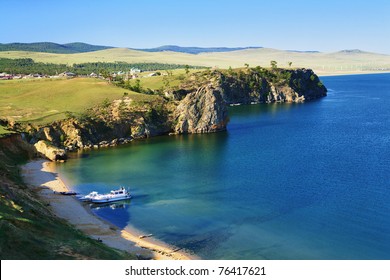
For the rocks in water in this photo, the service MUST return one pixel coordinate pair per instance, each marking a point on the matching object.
(104, 144)
(202, 111)
(145, 236)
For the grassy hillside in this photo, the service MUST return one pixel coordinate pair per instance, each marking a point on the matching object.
(353, 61)
(49, 47)
(43, 101)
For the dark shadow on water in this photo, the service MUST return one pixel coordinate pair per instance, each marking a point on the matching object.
(117, 213)
(261, 109)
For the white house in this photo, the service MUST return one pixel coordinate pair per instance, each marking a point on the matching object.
(135, 71)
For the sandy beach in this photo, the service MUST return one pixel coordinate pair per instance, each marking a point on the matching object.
(41, 176)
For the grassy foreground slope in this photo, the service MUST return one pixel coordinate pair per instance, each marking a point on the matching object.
(43, 101)
(337, 62)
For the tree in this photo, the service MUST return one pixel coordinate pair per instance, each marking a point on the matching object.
(289, 64)
(137, 86)
(246, 65)
(106, 75)
(274, 64)
(187, 68)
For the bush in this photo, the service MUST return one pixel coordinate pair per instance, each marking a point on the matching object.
(106, 103)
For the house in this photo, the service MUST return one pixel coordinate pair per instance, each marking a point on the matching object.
(67, 75)
(135, 71)
(5, 76)
(93, 75)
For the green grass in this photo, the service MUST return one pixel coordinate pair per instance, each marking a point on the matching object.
(43, 101)
(157, 82)
(3, 130)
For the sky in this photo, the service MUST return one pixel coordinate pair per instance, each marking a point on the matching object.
(327, 26)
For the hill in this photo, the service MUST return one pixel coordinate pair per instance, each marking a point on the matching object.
(42, 101)
(194, 50)
(48, 47)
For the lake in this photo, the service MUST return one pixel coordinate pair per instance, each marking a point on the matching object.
(285, 181)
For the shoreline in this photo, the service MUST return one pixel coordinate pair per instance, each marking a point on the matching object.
(41, 176)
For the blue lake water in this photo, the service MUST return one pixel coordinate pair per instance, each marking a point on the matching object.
(286, 181)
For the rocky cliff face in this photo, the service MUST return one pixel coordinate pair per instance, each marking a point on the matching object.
(198, 106)
(260, 85)
(201, 111)
(116, 123)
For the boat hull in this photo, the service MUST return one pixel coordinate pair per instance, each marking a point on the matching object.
(110, 199)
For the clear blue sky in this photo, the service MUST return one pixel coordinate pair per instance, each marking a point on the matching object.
(327, 25)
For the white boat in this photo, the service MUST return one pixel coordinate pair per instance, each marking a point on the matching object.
(89, 196)
(114, 195)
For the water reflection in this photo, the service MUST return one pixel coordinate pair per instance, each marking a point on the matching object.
(111, 205)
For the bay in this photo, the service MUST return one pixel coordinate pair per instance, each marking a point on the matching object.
(285, 181)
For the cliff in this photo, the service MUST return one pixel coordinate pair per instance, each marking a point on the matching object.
(258, 85)
(204, 96)
(201, 111)
(198, 105)
(114, 123)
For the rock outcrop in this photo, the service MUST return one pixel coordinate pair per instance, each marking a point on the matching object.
(260, 85)
(202, 111)
(117, 123)
(49, 151)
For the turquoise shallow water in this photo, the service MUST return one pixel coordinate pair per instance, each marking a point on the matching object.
(286, 181)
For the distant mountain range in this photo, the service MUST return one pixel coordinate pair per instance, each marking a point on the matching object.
(49, 47)
(79, 47)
